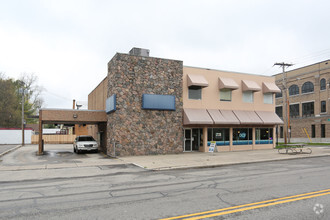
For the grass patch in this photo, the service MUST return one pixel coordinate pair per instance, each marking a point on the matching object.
(319, 144)
(283, 145)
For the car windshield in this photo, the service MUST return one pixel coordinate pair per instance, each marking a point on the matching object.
(88, 138)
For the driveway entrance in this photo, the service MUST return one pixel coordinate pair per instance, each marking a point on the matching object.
(68, 116)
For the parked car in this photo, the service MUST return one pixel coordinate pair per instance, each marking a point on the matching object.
(85, 143)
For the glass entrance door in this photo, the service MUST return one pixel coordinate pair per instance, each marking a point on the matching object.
(187, 139)
(193, 139)
(197, 134)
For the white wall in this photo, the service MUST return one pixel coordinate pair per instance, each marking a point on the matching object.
(15, 136)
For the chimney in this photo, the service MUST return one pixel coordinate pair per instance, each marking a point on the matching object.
(74, 104)
(139, 52)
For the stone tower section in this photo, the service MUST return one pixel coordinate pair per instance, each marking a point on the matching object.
(137, 131)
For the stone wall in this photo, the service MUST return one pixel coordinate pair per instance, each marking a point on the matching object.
(138, 131)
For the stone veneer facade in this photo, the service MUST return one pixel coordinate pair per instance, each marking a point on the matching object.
(137, 131)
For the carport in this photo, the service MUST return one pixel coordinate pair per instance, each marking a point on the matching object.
(69, 116)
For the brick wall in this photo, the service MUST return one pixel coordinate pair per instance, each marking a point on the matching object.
(312, 73)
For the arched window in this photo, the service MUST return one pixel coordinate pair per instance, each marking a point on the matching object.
(323, 84)
(293, 90)
(307, 87)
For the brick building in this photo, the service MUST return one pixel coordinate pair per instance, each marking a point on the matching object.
(308, 103)
(159, 106)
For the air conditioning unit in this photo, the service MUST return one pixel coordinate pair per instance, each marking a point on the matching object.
(139, 52)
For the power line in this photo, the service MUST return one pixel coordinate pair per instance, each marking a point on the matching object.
(58, 96)
(285, 102)
(304, 59)
(311, 55)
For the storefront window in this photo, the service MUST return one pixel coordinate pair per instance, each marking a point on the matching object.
(220, 135)
(264, 135)
(242, 136)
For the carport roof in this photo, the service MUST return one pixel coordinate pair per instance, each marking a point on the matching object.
(72, 116)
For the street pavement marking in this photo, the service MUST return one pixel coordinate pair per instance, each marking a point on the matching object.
(256, 205)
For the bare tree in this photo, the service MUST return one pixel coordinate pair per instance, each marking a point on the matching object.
(33, 90)
(10, 99)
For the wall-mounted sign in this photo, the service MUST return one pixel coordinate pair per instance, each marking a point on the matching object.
(218, 134)
(110, 104)
(158, 102)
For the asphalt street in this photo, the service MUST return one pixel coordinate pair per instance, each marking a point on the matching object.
(268, 190)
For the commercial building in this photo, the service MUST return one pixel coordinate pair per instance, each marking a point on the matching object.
(159, 106)
(303, 103)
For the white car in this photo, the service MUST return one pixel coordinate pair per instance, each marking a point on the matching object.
(85, 143)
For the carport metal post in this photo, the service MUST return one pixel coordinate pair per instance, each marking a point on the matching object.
(40, 151)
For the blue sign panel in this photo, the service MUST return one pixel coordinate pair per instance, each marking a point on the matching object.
(158, 102)
(110, 104)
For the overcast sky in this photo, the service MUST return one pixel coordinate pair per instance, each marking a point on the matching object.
(68, 43)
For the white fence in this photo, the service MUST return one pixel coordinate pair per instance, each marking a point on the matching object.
(14, 136)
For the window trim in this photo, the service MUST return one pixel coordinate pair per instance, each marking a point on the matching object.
(201, 93)
(227, 90)
(294, 116)
(305, 85)
(321, 112)
(279, 106)
(294, 85)
(313, 134)
(323, 131)
(278, 97)
(325, 84)
(270, 95)
(252, 93)
(302, 110)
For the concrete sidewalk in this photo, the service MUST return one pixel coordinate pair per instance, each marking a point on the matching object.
(60, 162)
(198, 159)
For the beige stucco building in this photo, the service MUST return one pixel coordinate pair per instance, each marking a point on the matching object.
(158, 106)
(235, 109)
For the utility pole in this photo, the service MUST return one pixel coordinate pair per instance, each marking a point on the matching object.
(22, 91)
(285, 103)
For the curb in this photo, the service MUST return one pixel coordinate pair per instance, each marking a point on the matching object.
(228, 164)
(10, 150)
